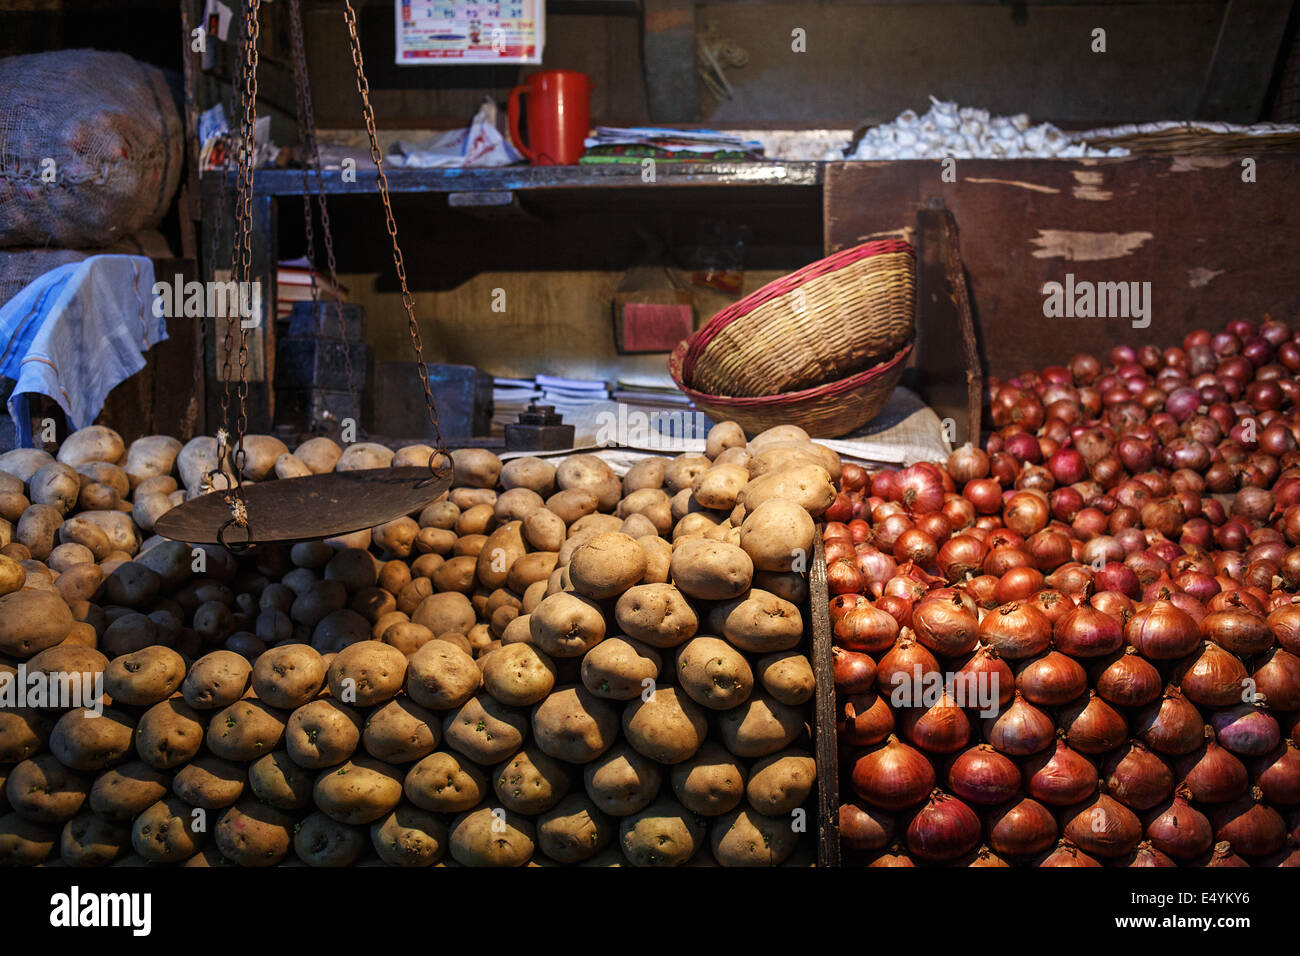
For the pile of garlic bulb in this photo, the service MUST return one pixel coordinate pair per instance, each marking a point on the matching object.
(968, 133)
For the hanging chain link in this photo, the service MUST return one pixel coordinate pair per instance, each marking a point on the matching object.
(311, 167)
(241, 272)
(408, 300)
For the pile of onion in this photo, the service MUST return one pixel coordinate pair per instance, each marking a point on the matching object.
(1079, 644)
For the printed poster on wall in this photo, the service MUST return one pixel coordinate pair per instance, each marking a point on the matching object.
(443, 32)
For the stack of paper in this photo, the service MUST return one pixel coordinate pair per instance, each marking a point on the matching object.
(632, 144)
(293, 283)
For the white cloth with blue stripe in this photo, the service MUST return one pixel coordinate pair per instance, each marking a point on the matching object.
(75, 333)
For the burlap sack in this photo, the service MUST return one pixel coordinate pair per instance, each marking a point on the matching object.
(90, 148)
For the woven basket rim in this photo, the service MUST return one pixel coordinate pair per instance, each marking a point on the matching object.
(825, 390)
(778, 287)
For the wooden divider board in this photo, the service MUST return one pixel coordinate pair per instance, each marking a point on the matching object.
(818, 629)
(1213, 244)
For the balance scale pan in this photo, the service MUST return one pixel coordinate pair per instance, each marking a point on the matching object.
(305, 509)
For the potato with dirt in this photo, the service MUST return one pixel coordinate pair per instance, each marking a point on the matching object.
(446, 782)
(745, 838)
(518, 675)
(760, 726)
(663, 834)
(168, 831)
(665, 726)
(123, 792)
(711, 782)
(31, 621)
(359, 791)
(322, 733)
(711, 570)
(489, 836)
(713, 673)
(170, 734)
(88, 840)
(245, 730)
(574, 725)
(85, 739)
(43, 790)
(759, 622)
(656, 614)
(566, 624)
(485, 730)
(288, 676)
(252, 834)
(441, 676)
(320, 841)
(401, 731)
(216, 680)
(619, 668)
(530, 782)
(409, 836)
(277, 780)
(367, 673)
(209, 782)
(607, 565)
(145, 677)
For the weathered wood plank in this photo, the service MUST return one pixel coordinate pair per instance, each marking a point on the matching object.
(1211, 245)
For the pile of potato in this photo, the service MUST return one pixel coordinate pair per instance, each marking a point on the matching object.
(545, 666)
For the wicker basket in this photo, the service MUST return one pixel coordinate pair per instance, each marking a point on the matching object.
(824, 411)
(831, 319)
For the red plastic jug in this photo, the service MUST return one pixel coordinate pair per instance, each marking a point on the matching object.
(559, 115)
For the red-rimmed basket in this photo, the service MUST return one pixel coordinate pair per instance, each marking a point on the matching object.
(824, 411)
(828, 321)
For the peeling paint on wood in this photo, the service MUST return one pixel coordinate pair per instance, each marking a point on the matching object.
(1200, 276)
(1187, 164)
(1013, 182)
(1088, 186)
(1086, 246)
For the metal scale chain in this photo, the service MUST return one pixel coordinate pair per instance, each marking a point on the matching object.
(311, 168)
(408, 301)
(241, 275)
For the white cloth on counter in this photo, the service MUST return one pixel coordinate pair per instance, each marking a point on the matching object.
(76, 332)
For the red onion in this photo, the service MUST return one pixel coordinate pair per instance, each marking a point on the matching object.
(1214, 678)
(1129, 680)
(945, 626)
(1146, 855)
(1223, 856)
(864, 719)
(1018, 584)
(944, 829)
(1092, 726)
(1102, 826)
(982, 775)
(919, 490)
(1137, 777)
(893, 776)
(899, 608)
(1278, 679)
(985, 669)
(893, 857)
(865, 828)
(1022, 827)
(986, 857)
(1016, 630)
(1252, 827)
(968, 463)
(940, 729)
(1051, 680)
(1171, 725)
(985, 494)
(867, 629)
(1211, 773)
(1179, 829)
(842, 577)
(1162, 632)
(1247, 729)
(1278, 774)
(1087, 632)
(1067, 854)
(1020, 729)
(854, 672)
(1060, 776)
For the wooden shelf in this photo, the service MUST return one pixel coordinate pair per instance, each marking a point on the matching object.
(289, 182)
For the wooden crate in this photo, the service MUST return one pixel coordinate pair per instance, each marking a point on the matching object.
(825, 749)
